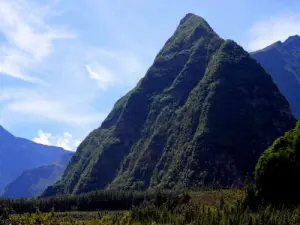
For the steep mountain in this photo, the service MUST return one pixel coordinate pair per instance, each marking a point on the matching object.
(204, 111)
(18, 155)
(282, 61)
(33, 182)
(277, 172)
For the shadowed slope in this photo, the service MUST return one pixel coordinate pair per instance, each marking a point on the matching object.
(282, 60)
(19, 154)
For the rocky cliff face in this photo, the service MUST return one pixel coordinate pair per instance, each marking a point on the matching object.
(204, 111)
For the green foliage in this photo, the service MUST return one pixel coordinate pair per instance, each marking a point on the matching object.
(181, 213)
(179, 209)
(277, 172)
(48, 219)
(100, 200)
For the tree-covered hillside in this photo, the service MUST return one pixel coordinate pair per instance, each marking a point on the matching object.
(204, 112)
(278, 169)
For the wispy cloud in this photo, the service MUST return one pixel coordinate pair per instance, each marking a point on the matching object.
(32, 104)
(77, 76)
(113, 67)
(28, 38)
(272, 29)
(64, 141)
(102, 75)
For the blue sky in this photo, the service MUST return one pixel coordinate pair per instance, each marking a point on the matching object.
(63, 63)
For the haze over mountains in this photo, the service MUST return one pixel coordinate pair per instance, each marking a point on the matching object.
(33, 182)
(282, 61)
(204, 111)
(18, 155)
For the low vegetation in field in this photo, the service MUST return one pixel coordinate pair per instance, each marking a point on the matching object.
(184, 214)
(212, 207)
(213, 197)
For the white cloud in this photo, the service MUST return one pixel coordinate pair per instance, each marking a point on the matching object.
(64, 141)
(126, 60)
(272, 29)
(101, 74)
(54, 111)
(113, 67)
(28, 38)
(43, 138)
(35, 46)
(32, 104)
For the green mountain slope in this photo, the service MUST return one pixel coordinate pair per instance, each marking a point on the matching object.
(282, 61)
(277, 172)
(205, 110)
(33, 182)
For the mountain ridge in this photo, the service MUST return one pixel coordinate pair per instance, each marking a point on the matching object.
(282, 61)
(19, 154)
(33, 182)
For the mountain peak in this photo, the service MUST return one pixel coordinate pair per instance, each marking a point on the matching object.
(191, 16)
(192, 21)
(293, 39)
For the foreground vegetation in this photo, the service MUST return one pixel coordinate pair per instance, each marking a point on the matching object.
(200, 215)
(176, 210)
(111, 200)
(224, 207)
(277, 172)
(264, 202)
(205, 207)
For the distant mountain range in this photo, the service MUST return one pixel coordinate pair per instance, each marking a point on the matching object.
(33, 182)
(282, 61)
(18, 155)
(204, 112)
